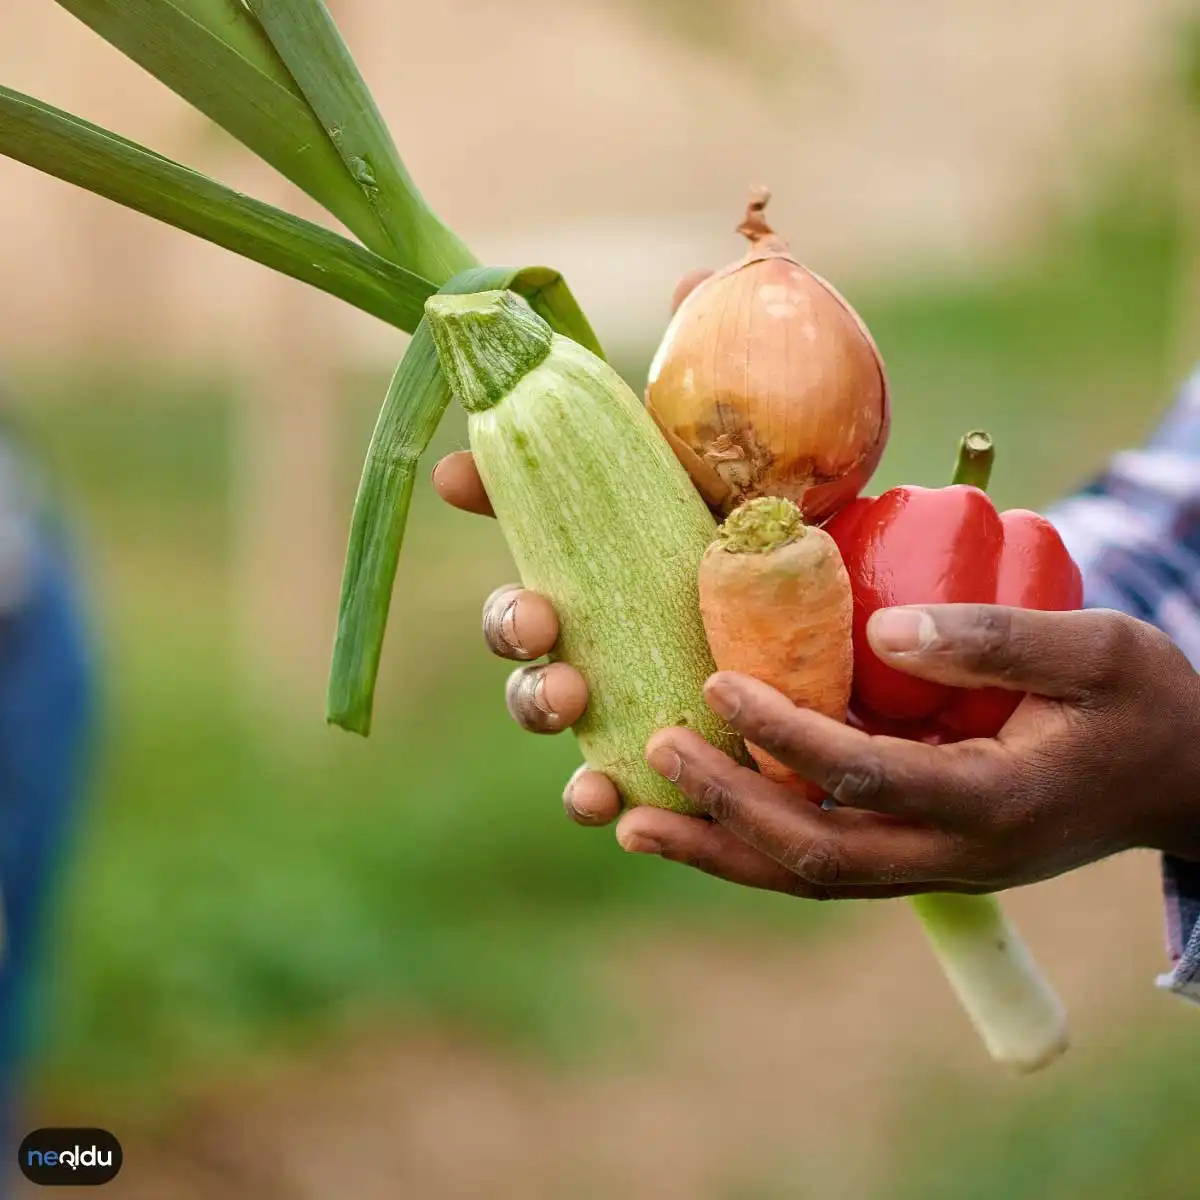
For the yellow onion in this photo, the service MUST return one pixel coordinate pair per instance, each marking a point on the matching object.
(767, 382)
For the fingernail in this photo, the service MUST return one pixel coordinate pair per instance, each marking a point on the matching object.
(569, 801)
(666, 762)
(538, 696)
(638, 843)
(500, 622)
(508, 628)
(722, 698)
(525, 695)
(500, 626)
(902, 630)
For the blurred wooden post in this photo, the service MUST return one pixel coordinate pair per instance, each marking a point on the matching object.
(289, 528)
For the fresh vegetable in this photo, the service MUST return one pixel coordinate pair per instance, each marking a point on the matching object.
(1009, 1001)
(600, 518)
(776, 601)
(767, 383)
(915, 545)
(415, 402)
(776, 604)
(918, 546)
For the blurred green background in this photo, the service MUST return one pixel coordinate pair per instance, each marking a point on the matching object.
(251, 888)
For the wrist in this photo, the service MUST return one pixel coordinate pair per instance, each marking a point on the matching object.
(1179, 831)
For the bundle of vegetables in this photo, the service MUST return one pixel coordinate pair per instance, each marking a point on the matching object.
(767, 387)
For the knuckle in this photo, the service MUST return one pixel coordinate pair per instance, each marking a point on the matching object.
(716, 799)
(817, 863)
(859, 784)
(988, 647)
(1117, 638)
(773, 735)
(1116, 641)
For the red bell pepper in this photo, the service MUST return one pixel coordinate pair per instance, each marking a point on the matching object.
(915, 545)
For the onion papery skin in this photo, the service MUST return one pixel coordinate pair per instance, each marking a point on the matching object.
(767, 383)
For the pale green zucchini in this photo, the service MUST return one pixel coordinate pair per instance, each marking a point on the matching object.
(600, 518)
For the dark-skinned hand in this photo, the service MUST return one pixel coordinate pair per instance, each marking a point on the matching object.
(1102, 755)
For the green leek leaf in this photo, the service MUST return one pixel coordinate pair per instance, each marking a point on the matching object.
(415, 403)
(211, 53)
(552, 300)
(111, 166)
(309, 43)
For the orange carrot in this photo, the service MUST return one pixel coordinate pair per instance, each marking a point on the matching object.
(776, 603)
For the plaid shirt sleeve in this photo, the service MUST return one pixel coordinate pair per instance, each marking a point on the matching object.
(1135, 533)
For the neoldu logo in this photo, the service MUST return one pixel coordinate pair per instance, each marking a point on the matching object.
(69, 1157)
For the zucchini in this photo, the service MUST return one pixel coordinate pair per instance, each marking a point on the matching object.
(600, 518)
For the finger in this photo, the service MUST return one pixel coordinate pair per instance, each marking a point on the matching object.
(456, 480)
(518, 623)
(936, 785)
(1064, 655)
(705, 845)
(688, 284)
(718, 851)
(547, 698)
(828, 849)
(591, 798)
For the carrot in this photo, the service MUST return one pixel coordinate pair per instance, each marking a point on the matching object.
(776, 604)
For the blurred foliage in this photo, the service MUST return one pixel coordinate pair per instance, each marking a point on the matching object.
(239, 888)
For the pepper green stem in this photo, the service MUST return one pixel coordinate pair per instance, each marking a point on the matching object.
(976, 454)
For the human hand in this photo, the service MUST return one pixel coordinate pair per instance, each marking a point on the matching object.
(1102, 755)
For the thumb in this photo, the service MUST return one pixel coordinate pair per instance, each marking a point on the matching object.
(1066, 655)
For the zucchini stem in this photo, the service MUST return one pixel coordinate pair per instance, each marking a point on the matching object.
(487, 342)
